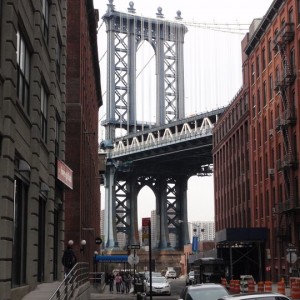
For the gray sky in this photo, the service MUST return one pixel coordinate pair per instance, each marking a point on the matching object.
(212, 71)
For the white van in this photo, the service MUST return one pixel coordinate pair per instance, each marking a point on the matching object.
(171, 273)
(190, 278)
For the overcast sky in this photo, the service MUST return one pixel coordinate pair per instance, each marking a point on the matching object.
(212, 71)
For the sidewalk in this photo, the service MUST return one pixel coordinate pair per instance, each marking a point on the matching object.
(43, 291)
(106, 295)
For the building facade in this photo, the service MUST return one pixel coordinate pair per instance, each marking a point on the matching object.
(83, 100)
(205, 231)
(32, 148)
(256, 170)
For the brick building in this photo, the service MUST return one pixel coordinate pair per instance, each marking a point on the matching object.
(256, 142)
(32, 135)
(83, 99)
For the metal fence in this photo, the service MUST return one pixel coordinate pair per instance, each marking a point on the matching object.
(78, 276)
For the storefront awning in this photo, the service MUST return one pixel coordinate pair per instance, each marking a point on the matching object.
(112, 258)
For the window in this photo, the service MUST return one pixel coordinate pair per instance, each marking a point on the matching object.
(291, 16)
(44, 113)
(261, 206)
(265, 133)
(296, 188)
(277, 75)
(272, 158)
(259, 134)
(257, 67)
(277, 111)
(19, 235)
(253, 106)
(254, 138)
(258, 101)
(263, 58)
(252, 73)
(271, 120)
(264, 93)
(23, 65)
(293, 98)
(276, 48)
(57, 134)
(58, 56)
(270, 87)
(270, 49)
(266, 169)
(292, 60)
(278, 154)
(45, 21)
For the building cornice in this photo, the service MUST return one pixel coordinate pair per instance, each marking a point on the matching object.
(263, 26)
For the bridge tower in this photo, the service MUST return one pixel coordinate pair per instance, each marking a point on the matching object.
(125, 31)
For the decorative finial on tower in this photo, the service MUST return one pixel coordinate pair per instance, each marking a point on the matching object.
(131, 9)
(159, 13)
(110, 6)
(178, 15)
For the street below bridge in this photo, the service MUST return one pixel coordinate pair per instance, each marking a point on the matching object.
(176, 287)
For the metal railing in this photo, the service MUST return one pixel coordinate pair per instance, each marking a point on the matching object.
(74, 279)
(97, 281)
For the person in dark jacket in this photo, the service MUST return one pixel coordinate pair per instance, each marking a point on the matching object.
(111, 282)
(69, 259)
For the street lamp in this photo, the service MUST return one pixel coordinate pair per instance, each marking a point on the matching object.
(95, 266)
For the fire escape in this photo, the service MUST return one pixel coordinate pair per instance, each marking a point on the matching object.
(285, 123)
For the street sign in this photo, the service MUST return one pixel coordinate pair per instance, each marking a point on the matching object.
(291, 249)
(133, 260)
(133, 247)
(146, 222)
(98, 240)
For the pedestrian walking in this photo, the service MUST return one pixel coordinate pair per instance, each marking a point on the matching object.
(119, 282)
(69, 259)
(127, 283)
(111, 280)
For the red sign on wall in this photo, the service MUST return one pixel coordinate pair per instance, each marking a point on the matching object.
(64, 174)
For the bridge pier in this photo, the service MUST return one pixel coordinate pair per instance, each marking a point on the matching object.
(133, 215)
(110, 208)
(183, 231)
(161, 206)
(121, 213)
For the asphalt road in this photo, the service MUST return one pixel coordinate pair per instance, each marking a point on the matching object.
(176, 286)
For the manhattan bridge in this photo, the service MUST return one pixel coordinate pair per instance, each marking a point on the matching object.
(162, 154)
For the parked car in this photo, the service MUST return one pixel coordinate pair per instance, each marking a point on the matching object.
(160, 285)
(190, 277)
(244, 282)
(256, 296)
(171, 274)
(154, 274)
(203, 291)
